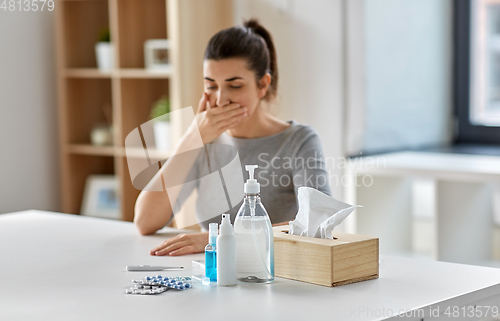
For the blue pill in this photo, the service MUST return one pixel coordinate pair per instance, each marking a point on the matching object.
(181, 287)
(148, 278)
(180, 282)
(159, 276)
(187, 285)
(165, 279)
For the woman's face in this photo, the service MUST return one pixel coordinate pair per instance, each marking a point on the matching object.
(229, 81)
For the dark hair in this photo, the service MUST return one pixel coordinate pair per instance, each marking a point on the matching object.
(251, 42)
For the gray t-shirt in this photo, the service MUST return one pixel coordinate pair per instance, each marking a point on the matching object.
(287, 160)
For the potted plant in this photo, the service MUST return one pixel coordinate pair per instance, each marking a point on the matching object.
(104, 50)
(161, 123)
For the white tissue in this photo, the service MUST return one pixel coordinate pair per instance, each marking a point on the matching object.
(318, 214)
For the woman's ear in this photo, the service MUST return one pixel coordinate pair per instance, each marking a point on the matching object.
(264, 84)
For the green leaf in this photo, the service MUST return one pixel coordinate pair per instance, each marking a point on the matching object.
(104, 35)
(161, 107)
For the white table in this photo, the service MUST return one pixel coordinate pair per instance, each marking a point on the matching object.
(459, 194)
(66, 267)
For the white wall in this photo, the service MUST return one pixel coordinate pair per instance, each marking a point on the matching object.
(308, 40)
(29, 176)
(408, 63)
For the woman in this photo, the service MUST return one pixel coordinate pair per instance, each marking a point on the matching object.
(241, 77)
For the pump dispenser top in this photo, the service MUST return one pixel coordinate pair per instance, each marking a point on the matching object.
(213, 232)
(226, 228)
(251, 186)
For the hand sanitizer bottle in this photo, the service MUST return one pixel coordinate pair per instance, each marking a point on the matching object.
(254, 236)
(226, 253)
(211, 253)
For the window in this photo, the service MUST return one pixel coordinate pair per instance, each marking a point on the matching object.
(477, 70)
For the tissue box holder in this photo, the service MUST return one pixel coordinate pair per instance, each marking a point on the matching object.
(347, 259)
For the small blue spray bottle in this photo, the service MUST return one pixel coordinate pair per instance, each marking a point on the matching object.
(211, 252)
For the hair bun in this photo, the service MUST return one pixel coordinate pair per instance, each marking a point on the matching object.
(253, 24)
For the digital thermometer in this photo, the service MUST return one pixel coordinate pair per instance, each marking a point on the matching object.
(152, 268)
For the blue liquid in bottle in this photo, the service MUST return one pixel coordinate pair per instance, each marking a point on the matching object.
(211, 264)
(211, 252)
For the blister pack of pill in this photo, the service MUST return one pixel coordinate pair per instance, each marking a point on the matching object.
(159, 284)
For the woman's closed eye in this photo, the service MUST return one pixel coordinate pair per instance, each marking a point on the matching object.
(232, 87)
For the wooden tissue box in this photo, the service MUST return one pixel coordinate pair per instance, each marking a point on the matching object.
(347, 259)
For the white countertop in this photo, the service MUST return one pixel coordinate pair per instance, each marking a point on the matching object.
(440, 165)
(67, 267)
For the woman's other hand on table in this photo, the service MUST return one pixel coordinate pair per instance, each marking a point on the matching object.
(182, 244)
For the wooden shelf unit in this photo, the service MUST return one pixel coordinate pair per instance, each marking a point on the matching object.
(129, 90)
(117, 73)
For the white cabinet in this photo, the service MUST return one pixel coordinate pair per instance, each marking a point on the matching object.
(457, 194)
